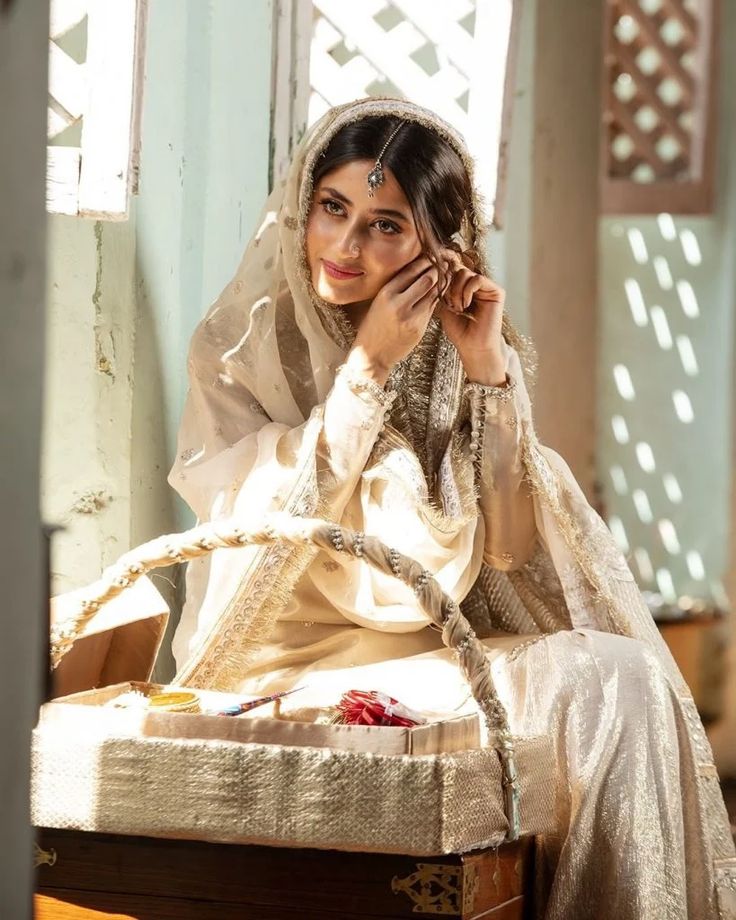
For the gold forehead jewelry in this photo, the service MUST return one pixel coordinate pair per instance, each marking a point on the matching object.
(375, 176)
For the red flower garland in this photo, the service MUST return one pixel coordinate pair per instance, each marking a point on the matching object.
(372, 707)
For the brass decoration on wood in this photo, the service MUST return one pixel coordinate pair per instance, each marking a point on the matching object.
(471, 884)
(439, 889)
(43, 857)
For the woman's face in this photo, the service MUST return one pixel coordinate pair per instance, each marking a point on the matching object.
(369, 238)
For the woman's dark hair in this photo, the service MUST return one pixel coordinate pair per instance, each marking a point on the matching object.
(430, 172)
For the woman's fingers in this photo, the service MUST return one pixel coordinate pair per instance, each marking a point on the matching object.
(424, 285)
(424, 308)
(403, 279)
(462, 277)
(474, 283)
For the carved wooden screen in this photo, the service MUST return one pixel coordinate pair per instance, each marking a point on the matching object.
(95, 79)
(659, 106)
(455, 57)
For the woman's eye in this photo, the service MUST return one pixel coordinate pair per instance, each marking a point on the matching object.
(328, 204)
(388, 227)
(384, 226)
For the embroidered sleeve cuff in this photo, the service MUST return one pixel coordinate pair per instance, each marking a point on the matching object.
(368, 390)
(490, 405)
(475, 391)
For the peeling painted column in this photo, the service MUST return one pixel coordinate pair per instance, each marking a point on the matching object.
(23, 66)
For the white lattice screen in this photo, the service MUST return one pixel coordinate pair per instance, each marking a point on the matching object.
(450, 57)
(95, 63)
(660, 63)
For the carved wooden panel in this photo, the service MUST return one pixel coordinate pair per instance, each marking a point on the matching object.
(454, 57)
(659, 105)
(95, 80)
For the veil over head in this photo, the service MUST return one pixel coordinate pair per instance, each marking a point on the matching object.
(261, 364)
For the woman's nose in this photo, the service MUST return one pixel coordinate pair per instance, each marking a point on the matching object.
(350, 242)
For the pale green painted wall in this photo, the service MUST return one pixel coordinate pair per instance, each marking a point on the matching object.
(504, 245)
(124, 297)
(204, 176)
(696, 453)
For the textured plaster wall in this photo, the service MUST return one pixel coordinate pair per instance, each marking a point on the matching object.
(123, 298)
(91, 329)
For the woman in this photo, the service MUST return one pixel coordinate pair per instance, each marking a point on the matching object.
(360, 367)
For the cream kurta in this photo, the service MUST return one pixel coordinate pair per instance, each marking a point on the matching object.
(343, 613)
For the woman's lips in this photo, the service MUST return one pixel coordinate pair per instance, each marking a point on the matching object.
(334, 271)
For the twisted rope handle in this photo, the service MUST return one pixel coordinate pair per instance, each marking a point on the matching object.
(442, 610)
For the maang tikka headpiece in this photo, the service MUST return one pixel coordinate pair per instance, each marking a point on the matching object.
(375, 176)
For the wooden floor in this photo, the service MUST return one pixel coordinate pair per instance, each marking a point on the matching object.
(105, 877)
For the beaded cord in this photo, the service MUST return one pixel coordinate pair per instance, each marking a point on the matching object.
(422, 580)
(337, 540)
(466, 641)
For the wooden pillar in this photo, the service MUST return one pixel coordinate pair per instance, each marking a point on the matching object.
(552, 239)
(723, 733)
(24, 29)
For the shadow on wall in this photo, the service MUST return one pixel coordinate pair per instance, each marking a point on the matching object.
(152, 500)
(664, 390)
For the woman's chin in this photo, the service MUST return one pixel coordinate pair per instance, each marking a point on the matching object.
(338, 296)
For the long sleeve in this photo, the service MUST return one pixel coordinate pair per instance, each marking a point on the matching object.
(354, 415)
(254, 474)
(505, 497)
(264, 471)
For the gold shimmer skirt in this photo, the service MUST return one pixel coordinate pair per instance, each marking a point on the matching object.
(626, 846)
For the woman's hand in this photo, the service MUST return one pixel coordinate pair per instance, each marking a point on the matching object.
(471, 317)
(396, 319)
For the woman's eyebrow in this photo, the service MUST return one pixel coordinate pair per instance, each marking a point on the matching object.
(384, 211)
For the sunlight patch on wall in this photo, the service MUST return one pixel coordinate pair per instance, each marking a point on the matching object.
(624, 383)
(688, 300)
(672, 488)
(620, 429)
(618, 478)
(683, 406)
(619, 532)
(636, 301)
(644, 564)
(663, 273)
(690, 247)
(661, 327)
(666, 585)
(669, 536)
(645, 456)
(667, 227)
(638, 245)
(695, 565)
(687, 355)
(643, 508)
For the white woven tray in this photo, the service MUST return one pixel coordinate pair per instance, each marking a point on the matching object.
(270, 794)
